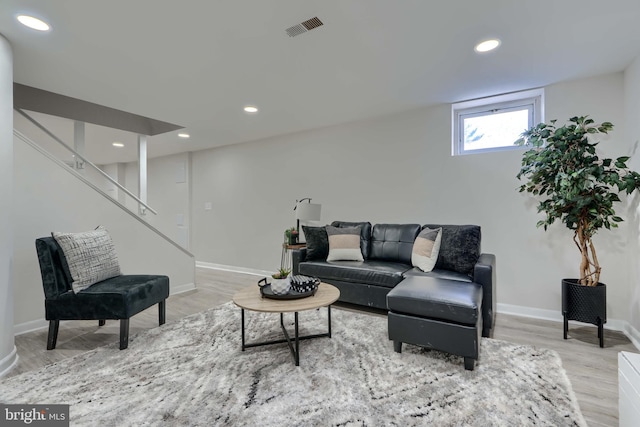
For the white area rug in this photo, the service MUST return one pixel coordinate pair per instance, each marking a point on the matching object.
(192, 373)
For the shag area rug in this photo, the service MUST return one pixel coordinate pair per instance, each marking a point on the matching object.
(192, 373)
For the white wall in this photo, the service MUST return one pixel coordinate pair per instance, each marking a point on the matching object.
(168, 192)
(107, 186)
(398, 169)
(48, 198)
(632, 118)
(7, 347)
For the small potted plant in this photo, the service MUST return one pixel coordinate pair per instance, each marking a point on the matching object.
(580, 189)
(281, 283)
(291, 235)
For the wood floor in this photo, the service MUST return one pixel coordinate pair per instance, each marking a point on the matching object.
(592, 370)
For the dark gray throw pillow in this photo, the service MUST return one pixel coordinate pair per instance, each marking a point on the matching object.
(317, 242)
(459, 248)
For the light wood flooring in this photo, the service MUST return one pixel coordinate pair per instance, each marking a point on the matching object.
(591, 370)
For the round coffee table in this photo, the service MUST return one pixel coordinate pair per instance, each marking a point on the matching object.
(250, 298)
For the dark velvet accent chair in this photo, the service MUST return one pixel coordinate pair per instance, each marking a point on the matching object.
(119, 297)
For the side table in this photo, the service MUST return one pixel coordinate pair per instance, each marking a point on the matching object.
(285, 259)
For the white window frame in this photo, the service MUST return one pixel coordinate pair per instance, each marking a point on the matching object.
(533, 100)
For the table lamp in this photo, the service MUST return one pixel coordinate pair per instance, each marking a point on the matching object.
(306, 211)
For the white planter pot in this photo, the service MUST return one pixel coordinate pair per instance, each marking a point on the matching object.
(281, 286)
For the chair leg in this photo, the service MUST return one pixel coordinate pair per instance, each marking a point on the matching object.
(162, 308)
(101, 322)
(469, 363)
(53, 334)
(124, 333)
(397, 346)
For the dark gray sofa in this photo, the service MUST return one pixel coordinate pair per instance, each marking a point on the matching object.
(455, 301)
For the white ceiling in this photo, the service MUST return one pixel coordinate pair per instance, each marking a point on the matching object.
(196, 63)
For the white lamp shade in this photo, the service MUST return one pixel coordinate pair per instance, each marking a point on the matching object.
(308, 212)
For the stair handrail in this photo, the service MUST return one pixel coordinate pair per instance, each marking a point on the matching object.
(78, 155)
(84, 179)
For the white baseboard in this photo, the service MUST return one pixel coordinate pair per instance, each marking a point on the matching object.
(8, 362)
(234, 269)
(182, 288)
(535, 313)
(30, 326)
(553, 315)
(633, 334)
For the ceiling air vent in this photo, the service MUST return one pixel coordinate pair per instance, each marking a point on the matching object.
(303, 27)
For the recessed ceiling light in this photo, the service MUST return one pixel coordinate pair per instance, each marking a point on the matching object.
(184, 135)
(118, 144)
(487, 45)
(34, 23)
(250, 109)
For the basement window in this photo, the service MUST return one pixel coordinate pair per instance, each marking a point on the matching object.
(495, 123)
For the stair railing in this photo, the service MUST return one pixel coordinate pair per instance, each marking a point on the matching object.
(79, 156)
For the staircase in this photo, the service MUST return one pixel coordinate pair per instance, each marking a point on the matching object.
(50, 195)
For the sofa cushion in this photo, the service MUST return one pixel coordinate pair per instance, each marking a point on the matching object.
(317, 242)
(380, 273)
(365, 234)
(344, 244)
(426, 249)
(90, 256)
(459, 248)
(439, 274)
(437, 299)
(393, 242)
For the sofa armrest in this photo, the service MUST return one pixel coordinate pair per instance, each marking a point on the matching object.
(297, 256)
(484, 273)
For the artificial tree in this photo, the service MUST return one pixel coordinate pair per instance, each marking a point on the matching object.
(574, 184)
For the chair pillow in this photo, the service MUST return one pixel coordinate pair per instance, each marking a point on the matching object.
(344, 244)
(91, 256)
(317, 242)
(426, 248)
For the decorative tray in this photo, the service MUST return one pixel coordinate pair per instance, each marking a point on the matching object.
(266, 292)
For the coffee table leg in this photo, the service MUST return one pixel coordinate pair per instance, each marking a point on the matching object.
(294, 346)
(242, 316)
(297, 356)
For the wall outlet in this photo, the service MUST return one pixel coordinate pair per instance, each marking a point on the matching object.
(208, 206)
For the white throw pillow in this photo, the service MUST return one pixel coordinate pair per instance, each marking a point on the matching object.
(91, 256)
(426, 248)
(344, 244)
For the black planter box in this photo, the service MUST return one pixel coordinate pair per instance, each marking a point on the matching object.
(586, 304)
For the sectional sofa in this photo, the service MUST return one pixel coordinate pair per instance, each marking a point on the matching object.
(447, 308)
